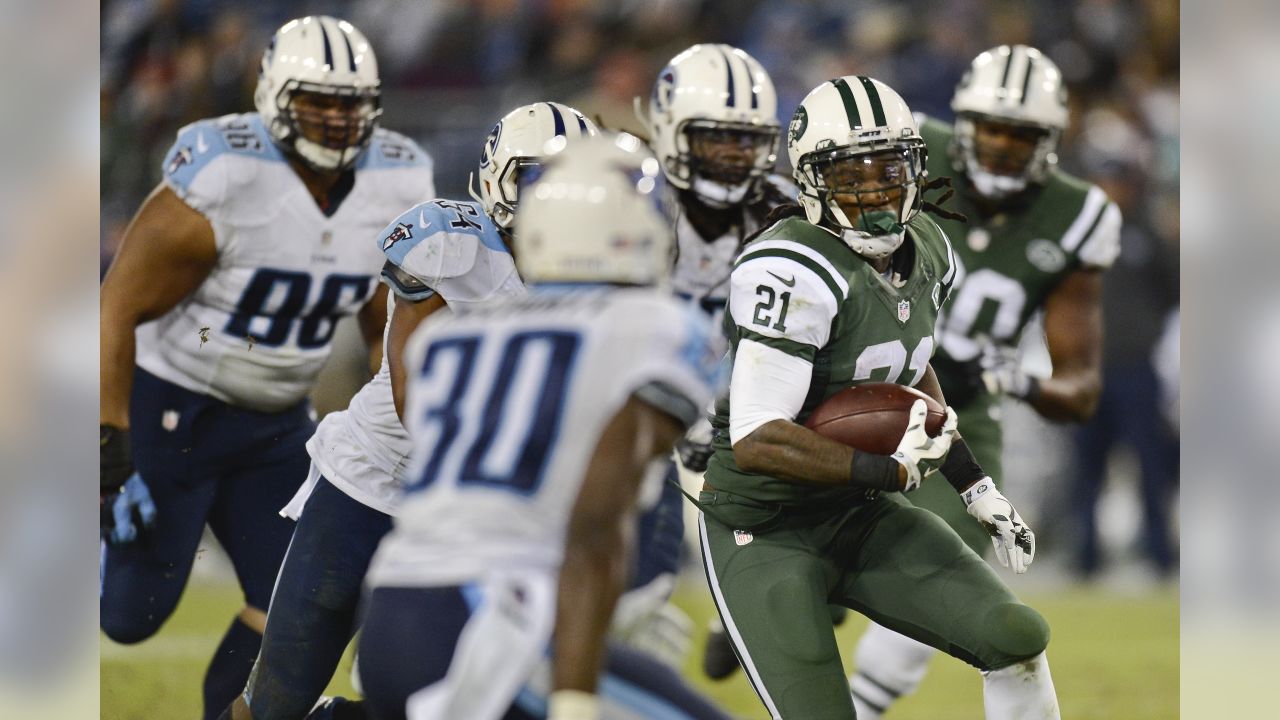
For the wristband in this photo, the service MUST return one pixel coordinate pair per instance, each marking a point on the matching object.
(960, 468)
(1032, 393)
(573, 705)
(878, 472)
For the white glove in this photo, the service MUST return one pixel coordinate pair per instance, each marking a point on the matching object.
(573, 705)
(920, 454)
(1014, 541)
(1002, 371)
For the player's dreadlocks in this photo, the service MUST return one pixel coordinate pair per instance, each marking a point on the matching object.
(935, 206)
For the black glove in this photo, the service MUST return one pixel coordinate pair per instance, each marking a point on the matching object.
(116, 459)
(115, 465)
(694, 455)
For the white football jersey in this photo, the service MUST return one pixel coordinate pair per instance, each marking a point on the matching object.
(703, 265)
(506, 404)
(441, 246)
(258, 329)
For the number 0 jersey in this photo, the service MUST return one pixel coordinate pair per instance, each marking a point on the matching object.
(258, 329)
(439, 247)
(1009, 263)
(506, 404)
(801, 290)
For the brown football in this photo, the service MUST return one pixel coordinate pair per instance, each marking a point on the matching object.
(872, 417)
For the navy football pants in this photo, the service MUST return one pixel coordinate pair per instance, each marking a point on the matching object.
(204, 462)
(313, 611)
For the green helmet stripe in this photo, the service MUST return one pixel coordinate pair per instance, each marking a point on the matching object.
(877, 108)
(850, 105)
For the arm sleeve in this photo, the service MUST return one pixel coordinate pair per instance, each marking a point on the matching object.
(768, 384)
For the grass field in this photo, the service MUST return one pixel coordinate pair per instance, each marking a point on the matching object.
(1113, 656)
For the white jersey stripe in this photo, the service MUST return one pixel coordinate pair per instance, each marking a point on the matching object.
(730, 626)
(808, 252)
(951, 262)
(1074, 235)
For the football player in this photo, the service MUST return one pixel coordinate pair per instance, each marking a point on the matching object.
(216, 316)
(533, 422)
(1037, 240)
(439, 254)
(712, 122)
(842, 290)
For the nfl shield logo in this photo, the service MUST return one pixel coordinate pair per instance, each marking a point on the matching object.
(742, 537)
(904, 310)
(169, 420)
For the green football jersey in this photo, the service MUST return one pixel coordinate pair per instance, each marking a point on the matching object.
(1010, 262)
(800, 289)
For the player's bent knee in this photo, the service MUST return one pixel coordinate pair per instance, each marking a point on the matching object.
(1017, 632)
(130, 628)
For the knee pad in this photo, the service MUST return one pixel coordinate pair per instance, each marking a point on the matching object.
(1015, 632)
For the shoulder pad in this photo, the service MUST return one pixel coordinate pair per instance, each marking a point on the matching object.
(389, 149)
(439, 239)
(202, 142)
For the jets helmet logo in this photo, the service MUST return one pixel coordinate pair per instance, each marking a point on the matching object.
(799, 123)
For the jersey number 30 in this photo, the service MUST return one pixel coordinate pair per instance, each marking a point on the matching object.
(505, 446)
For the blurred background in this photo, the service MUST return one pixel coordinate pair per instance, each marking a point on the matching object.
(1107, 571)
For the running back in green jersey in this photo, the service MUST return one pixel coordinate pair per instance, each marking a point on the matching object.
(1010, 262)
(799, 289)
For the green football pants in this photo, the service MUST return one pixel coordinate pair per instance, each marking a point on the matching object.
(897, 564)
(981, 432)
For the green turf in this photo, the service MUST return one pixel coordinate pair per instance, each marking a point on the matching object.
(1112, 656)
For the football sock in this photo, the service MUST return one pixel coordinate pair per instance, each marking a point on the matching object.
(889, 666)
(1022, 691)
(229, 670)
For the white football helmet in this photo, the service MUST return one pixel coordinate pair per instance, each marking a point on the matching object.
(714, 100)
(855, 147)
(1013, 85)
(330, 65)
(601, 212)
(515, 149)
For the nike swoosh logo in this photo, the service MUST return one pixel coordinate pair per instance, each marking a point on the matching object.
(788, 283)
(422, 220)
(201, 145)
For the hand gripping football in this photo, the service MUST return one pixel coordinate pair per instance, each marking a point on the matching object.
(872, 417)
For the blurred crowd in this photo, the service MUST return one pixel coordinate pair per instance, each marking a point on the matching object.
(450, 68)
